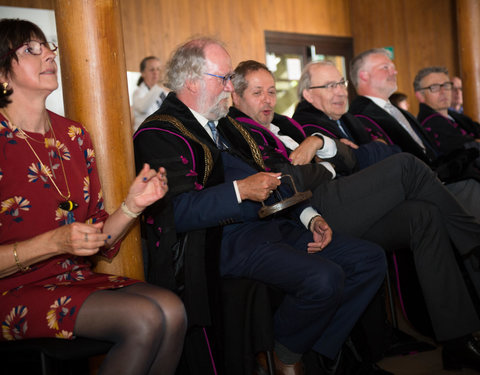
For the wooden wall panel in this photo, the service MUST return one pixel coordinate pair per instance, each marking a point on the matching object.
(423, 33)
(41, 4)
(157, 27)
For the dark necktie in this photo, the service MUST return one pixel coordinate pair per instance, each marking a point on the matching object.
(344, 131)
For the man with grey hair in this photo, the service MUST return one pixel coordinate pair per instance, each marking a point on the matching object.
(374, 76)
(452, 131)
(218, 181)
(323, 105)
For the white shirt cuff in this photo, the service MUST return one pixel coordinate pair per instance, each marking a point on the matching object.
(307, 215)
(237, 192)
(329, 149)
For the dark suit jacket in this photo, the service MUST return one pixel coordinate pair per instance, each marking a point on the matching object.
(385, 126)
(451, 167)
(368, 153)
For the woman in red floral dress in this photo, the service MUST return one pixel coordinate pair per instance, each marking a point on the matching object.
(52, 217)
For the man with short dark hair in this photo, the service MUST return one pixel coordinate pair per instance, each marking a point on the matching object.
(372, 204)
(451, 130)
(218, 179)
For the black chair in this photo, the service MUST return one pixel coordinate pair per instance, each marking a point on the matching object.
(50, 356)
(247, 314)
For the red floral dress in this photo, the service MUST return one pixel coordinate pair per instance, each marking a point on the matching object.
(44, 301)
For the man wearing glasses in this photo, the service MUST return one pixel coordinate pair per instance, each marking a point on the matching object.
(375, 78)
(218, 179)
(450, 130)
(323, 109)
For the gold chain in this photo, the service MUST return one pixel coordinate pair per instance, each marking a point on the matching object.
(49, 174)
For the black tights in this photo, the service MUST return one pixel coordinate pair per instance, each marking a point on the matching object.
(146, 323)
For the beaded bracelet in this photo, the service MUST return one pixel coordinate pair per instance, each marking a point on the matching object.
(127, 211)
(20, 266)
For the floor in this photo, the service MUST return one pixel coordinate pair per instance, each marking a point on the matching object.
(425, 363)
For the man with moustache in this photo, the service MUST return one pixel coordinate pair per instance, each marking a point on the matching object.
(450, 129)
(218, 179)
(361, 205)
(375, 78)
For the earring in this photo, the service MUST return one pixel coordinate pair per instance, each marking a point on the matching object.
(5, 85)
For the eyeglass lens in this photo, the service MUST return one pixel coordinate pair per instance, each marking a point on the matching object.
(35, 47)
(437, 87)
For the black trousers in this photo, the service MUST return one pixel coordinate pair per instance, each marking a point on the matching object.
(399, 203)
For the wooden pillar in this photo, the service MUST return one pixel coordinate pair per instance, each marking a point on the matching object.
(95, 93)
(468, 30)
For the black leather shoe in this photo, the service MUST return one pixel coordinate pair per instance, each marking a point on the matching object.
(462, 353)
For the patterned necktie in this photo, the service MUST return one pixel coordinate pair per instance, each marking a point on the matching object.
(395, 112)
(215, 136)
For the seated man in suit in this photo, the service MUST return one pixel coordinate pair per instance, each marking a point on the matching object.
(450, 130)
(375, 78)
(369, 203)
(218, 180)
(323, 108)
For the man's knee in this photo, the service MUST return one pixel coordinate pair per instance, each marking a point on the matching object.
(325, 285)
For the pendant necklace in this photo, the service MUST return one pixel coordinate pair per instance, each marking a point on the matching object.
(67, 204)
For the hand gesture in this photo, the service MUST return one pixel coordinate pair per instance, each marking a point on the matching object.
(305, 152)
(78, 238)
(322, 235)
(259, 186)
(148, 187)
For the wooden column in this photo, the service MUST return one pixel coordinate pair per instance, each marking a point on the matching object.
(468, 29)
(95, 94)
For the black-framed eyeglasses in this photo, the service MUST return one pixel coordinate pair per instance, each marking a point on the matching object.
(225, 78)
(436, 87)
(332, 85)
(34, 47)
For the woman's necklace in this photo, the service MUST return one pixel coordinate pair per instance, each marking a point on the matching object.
(67, 204)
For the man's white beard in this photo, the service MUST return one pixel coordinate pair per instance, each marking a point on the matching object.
(218, 110)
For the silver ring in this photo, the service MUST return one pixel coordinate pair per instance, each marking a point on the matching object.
(86, 237)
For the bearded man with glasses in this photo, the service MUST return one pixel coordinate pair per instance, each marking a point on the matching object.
(450, 129)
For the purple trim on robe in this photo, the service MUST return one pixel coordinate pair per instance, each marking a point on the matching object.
(170, 132)
(280, 146)
(297, 125)
(325, 130)
(378, 126)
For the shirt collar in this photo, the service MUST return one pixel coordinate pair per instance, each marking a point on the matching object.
(201, 118)
(378, 101)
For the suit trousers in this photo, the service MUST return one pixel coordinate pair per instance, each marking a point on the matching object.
(326, 292)
(399, 203)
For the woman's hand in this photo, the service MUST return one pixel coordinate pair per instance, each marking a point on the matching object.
(148, 187)
(78, 238)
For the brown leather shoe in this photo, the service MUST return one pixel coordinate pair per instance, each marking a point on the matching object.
(280, 367)
(284, 369)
